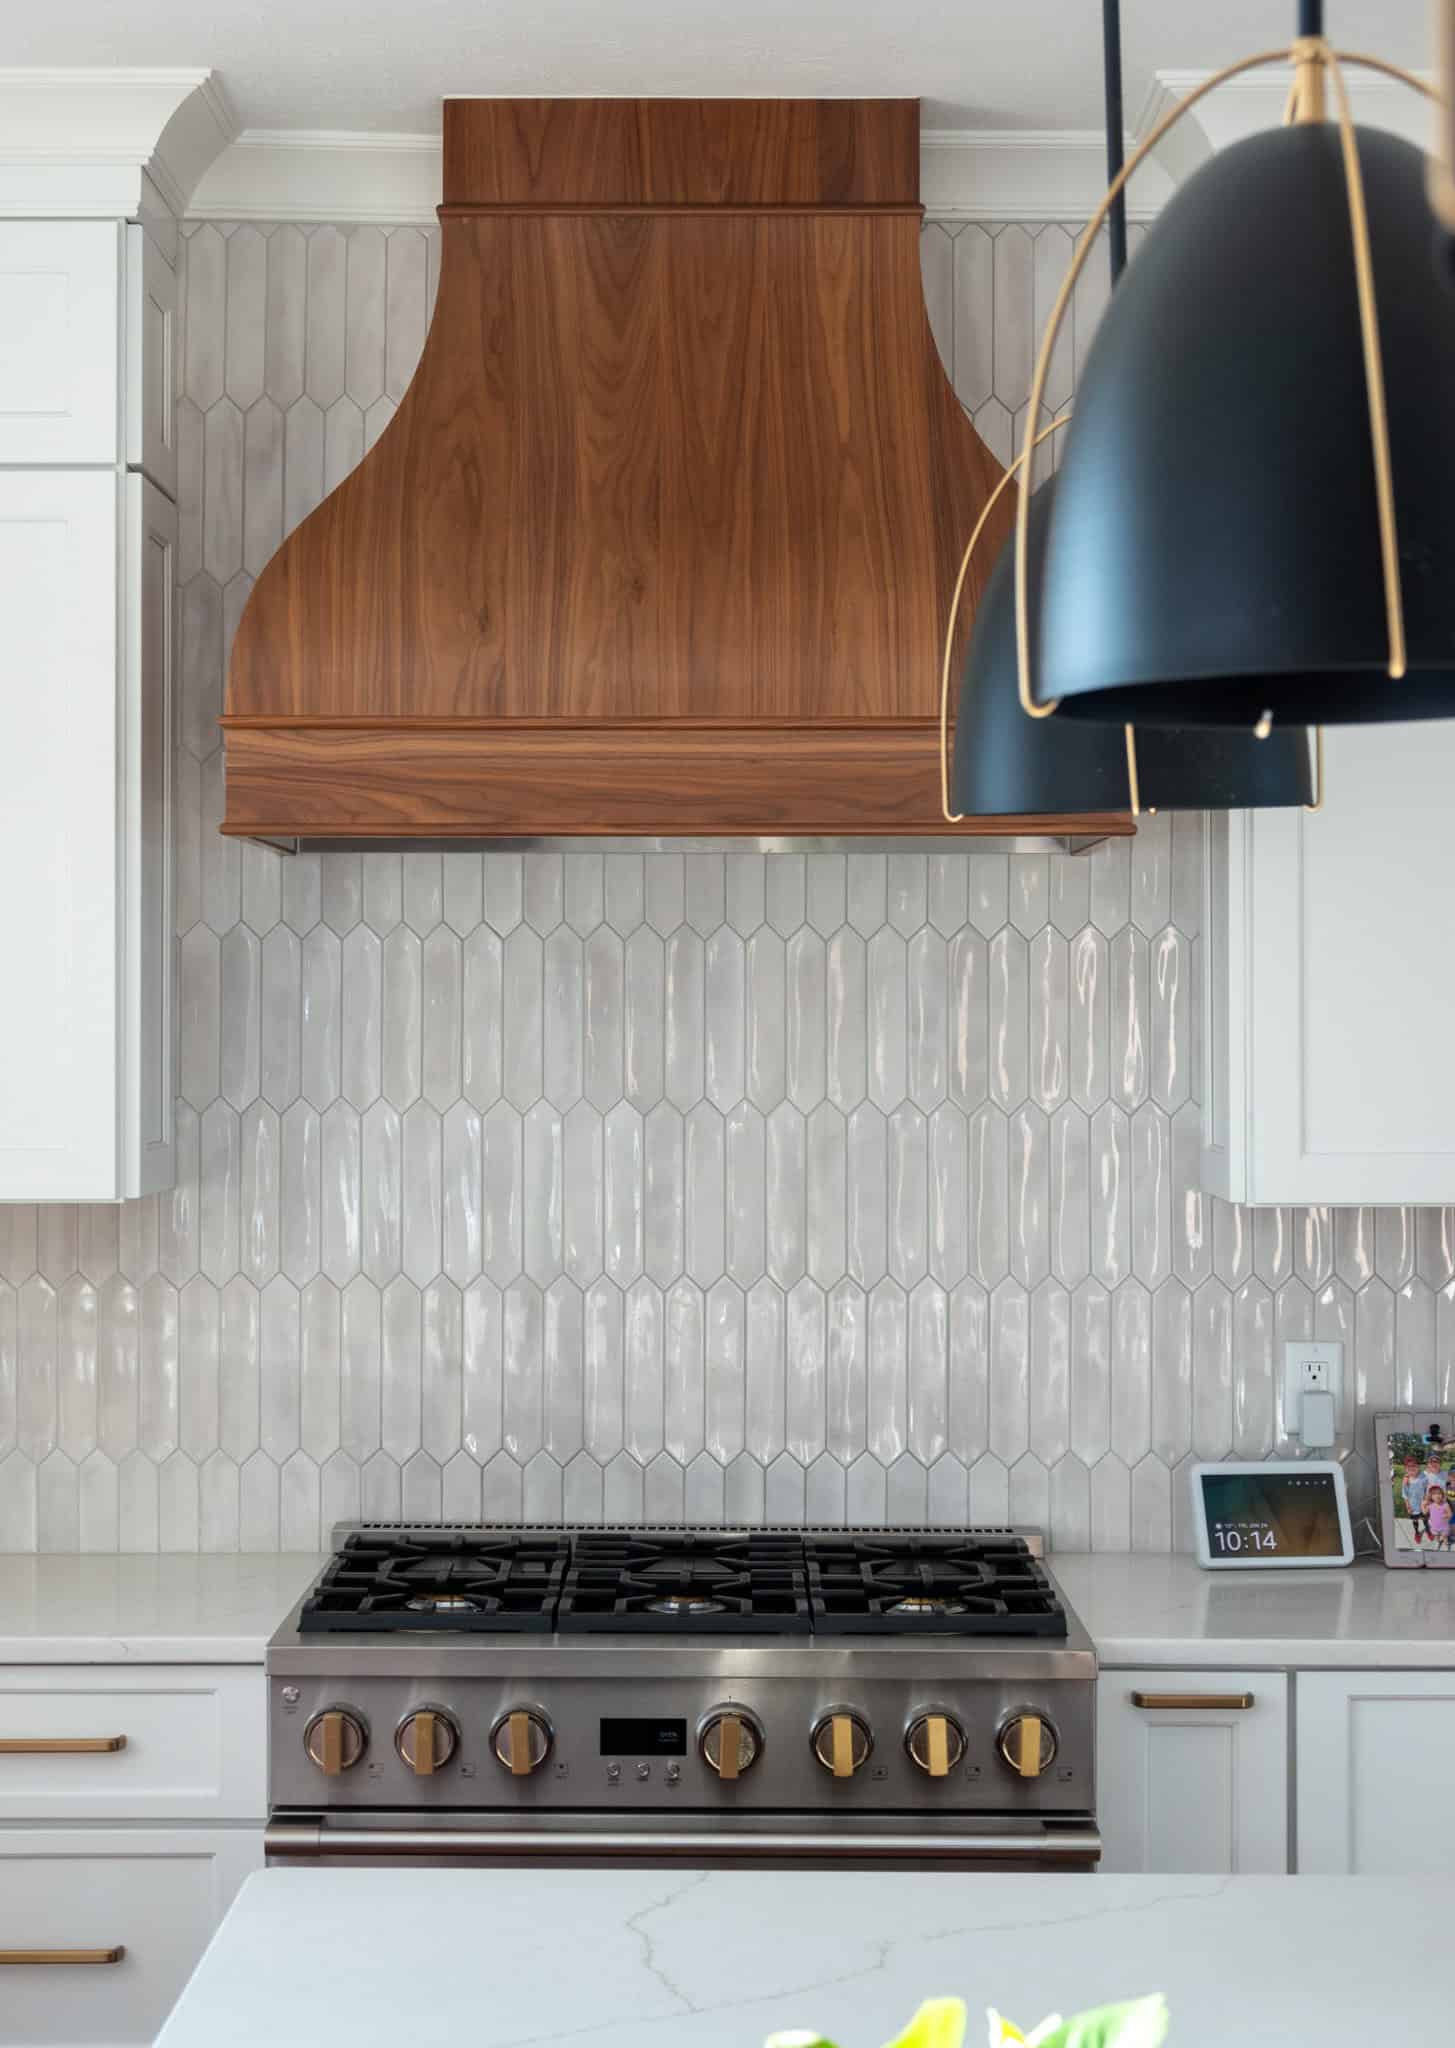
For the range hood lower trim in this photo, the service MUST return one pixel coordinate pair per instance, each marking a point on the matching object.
(474, 779)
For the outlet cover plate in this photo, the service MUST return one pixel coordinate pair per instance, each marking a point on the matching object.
(1298, 1357)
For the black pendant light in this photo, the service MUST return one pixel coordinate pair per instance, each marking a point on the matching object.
(1254, 517)
(1006, 763)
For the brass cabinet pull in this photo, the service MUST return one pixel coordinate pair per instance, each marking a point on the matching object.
(61, 1745)
(66, 1958)
(1193, 1702)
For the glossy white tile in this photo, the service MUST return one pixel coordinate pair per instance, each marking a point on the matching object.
(692, 1183)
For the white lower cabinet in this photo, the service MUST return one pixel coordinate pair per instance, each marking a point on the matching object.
(162, 1742)
(115, 1865)
(1192, 1771)
(100, 1928)
(1374, 1770)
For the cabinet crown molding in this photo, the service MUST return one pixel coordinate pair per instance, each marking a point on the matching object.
(342, 175)
(1255, 100)
(79, 141)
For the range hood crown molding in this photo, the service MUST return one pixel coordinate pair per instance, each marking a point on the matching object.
(661, 538)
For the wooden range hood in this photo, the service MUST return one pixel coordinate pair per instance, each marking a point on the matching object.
(663, 535)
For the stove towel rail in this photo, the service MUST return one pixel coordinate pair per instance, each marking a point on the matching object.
(1043, 1846)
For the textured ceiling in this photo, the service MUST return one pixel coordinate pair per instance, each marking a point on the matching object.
(377, 64)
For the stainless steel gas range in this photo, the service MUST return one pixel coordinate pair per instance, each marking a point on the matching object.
(834, 1697)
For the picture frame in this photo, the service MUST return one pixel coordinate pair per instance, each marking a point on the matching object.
(1416, 1507)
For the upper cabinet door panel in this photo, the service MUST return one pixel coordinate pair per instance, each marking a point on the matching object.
(60, 312)
(149, 1010)
(59, 872)
(151, 399)
(1332, 983)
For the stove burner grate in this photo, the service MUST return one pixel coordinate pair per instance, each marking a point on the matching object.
(690, 1584)
(704, 1582)
(458, 1583)
(928, 1585)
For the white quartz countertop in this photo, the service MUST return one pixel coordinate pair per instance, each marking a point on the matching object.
(1165, 1610)
(1139, 1611)
(146, 1610)
(621, 1959)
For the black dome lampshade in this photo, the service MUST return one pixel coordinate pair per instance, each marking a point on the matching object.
(1212, 555)
(1006, 763)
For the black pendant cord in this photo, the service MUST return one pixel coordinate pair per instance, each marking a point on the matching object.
(1310, 23)
(1111, 58)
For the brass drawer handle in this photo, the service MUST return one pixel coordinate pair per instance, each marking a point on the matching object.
(1193, 1702)
(62, 1745)
(65, 1957)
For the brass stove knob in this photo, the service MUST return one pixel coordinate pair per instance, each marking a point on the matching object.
(426, 1740)
(336, 1739)
(521, 1740)
(1027, 1742)
(842, 1741)
(935, 1741)
(730, 1741)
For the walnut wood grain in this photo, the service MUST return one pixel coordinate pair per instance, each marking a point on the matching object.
(690, 152)
(518, 778)
(666, 465)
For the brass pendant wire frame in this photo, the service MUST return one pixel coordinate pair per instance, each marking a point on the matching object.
(1308, 54)
(958, 817)
(1133, 782)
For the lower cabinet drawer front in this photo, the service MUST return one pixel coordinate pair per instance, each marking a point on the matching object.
(1192, 1771)
(157, 1742)
(157, 1896)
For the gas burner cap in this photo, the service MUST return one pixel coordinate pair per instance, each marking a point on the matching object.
(440, 1603)
(684, 1603)
(928, 1603)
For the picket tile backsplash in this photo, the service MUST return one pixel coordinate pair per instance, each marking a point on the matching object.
(688, 1185)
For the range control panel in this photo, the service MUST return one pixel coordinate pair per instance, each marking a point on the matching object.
(769, 1746)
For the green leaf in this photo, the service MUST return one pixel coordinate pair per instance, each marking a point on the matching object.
(939, 2023)
(1138, 2023)
(797, 2037)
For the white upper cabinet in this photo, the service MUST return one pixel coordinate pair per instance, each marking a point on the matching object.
(147, 1009)
(59, 535)
(149, 377)
(87, 575)
(1330, 983)
(60, 334)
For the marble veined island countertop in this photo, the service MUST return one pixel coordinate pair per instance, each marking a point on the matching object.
(694, 1959)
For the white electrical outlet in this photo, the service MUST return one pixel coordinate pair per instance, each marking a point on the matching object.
(1310, 1368)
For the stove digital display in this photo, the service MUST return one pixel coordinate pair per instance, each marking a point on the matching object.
(643, 1738)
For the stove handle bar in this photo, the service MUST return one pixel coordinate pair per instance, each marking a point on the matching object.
(1077, 1847)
